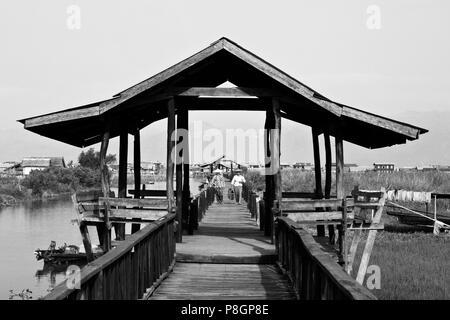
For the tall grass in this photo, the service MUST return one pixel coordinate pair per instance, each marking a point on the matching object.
(304, 181)
(413, 265)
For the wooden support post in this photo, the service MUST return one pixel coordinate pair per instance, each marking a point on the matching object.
(339, 168)
(170, 149)
(135, 227)
(318, 175)
(339, 144)
(328, 160)
(317, 168)
(123, 164)
(276, 145)
(273, 124)
(269, 193)
(179, 178)
(186, 189)
(343, 237)
(86, 241)
(105, 187)
(327, 166)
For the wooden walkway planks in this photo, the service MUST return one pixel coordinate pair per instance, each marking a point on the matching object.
(227, 258)
(199, 281)
(227, 235)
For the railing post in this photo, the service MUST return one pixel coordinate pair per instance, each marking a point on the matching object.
(262, 217)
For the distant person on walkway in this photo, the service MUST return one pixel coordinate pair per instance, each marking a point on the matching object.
(218, 183)
(237, 182)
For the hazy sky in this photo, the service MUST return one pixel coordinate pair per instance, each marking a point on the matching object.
(395, 71)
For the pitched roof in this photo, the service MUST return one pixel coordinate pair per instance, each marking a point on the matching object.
(43, 162)
(36, 162)
(222, 61)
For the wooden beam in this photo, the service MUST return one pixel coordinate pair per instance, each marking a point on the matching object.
(223, 92)
(339, 168)
(392, 125)
(144, 203)
(340, 187)
(280, 76)
(105, 185)
(317, 167)
(137, 172)
(318, 175)
(328, 160)
(123, 165)
(103, 166)
(269, 193)
(61, 116)
(170, 150)
(276, 147)
(186, 189)
(273, 124)
(179, 178)
(86, 241)
(162, 76)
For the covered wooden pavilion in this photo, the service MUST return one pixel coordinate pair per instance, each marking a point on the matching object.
(192, 84)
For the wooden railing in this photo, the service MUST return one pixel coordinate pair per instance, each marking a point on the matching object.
(129, 271)
(313, 273)
(197, 208)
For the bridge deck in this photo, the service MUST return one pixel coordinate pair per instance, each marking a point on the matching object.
(227, 258)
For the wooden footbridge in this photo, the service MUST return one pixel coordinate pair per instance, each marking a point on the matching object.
(226, 256)
(168, 246)
(229, 258)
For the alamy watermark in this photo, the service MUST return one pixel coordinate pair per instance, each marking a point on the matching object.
(373, 21)
(73, 21)
(246, 146)
(73, 277)
(373, 280)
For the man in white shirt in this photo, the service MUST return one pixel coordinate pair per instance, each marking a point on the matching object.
(237, 182)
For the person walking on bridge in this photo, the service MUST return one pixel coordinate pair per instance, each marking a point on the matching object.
(218, 183)
(237, 182)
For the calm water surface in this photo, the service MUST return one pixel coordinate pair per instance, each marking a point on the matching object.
(32, 225)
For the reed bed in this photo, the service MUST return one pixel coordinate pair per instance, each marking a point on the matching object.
(413, 261)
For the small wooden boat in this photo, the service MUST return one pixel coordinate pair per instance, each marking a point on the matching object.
(65, 254)
(407, 217)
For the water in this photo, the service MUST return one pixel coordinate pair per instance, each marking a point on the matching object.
(23, 229)
(32, 225)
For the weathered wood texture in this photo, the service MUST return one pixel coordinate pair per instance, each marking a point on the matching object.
(328, 160)
(227, 234)
(314, 274)
(170, 148)
(199, 75)
(127, 271)
(137, 173)
(181, 123)
(106, 233)
(339, 143)
(367, 218)
(227, 259)
(197, 208)
(122, 183)
(205, 281)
